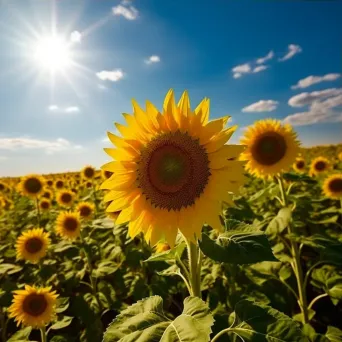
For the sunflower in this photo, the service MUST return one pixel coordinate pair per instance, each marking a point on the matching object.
(49, 182)
(162, 247)
(68, 225)
(65, 198)
(271, 148)
(332, 186)
(59, 184)
(85, 210)
(32, 245)
(88, 184)
(33, 306)
(44, 204)
(3, 187)
(32, 185)
(172, 170)
(47, 194)
(88, 172)
(299, 165)
(319, 165)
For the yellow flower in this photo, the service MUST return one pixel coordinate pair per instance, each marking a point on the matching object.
(68, 225)
(33, 306)
(32, 245)
(59, 184)
(47, 194)
(299, 165)
(88, 172)
(3, 186)
(332, 186)
(319, 165)
(32, 185)
(172, 170)
(271, 148)
(44, 204)
(85, 210)
(65, 198)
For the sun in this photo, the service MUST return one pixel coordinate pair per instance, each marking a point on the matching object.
(52, 53)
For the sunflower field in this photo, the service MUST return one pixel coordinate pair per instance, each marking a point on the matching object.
(180, 237)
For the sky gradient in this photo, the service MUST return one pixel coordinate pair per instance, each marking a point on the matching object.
(253, 59)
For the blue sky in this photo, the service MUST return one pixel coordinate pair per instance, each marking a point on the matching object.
(253, 59)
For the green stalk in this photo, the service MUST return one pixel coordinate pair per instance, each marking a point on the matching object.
(38, 212)
(195, 269)
(43, 334)
(296, 265)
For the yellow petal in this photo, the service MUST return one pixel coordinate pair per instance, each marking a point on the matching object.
(124, 216)
(220, 157)
(123, 181)
(220, 139)
(212, 128)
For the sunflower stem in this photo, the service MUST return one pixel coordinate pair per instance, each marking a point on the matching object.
(296, 261)
(95, 201)
(195, 269)
(38, 212)
(43, 334)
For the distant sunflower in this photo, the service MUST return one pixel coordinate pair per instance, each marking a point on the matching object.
(332, 186)
(88, 184)
(299, 165)
(49, 182)
(172, 170)
(68, 225)
(271, 148)
(3, 186)
(59, 184)
(44, 204)
(85, 210)
(162, 247)
(33, 306)
(32, 185)
(88, 172)
(65, 198)
(47, 194)
(319, 165)
(32, 245)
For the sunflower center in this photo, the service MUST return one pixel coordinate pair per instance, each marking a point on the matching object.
(47, 195)
(35, 304)
(2, 187)
(33, 185)
(300, 164)
(335, 185)
(85, 211)
(59, 184)
(269, 148)
(33, 245)
(320, 165)
(66, 198)
(70, 224)
(88, 172)
(173, 170)
(49, 182)
(44, 205)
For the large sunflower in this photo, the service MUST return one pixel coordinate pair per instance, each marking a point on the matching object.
(85, 210)
(172, 170)
(32, 245)
(299, 165)
(33, 306)
(32, 185)
(68, 225)
(319, 165)
(271, 148)
(65, 198)
(332, 186)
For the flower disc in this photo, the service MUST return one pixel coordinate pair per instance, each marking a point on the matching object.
(332, 186)
(319, 165)
(32, 185)
(68, 225)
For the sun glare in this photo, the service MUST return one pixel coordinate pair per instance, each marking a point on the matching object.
(52, 53)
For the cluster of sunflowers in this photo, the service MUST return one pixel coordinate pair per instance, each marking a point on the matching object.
(170, 173)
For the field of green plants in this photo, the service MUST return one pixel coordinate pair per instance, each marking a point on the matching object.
(273, 274)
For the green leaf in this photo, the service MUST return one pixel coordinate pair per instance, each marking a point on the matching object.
(334, 334)
(171, 254)
(279, 222)
(239, 248)
(262, 323)
(145, 321)
(21, 335)
(106, 267)
(62, 304)
(66, 321)
(9, 268)
(298, 177)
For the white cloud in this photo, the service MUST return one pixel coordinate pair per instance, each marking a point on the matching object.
(72, 109)
(128, 12)
(304, 99)
(292, 51)
(327, 108)
(57, 145)
(113, 75)
(241, 69)
(261, 106)
(75, 37)
(237, 75)
(152, 59)
(260, 68)
(53, 107)
(262, 60)
(310, 80)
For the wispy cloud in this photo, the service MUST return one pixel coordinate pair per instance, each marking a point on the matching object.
(260, 68)
(241, 69)
(262, 60)
(110, 75)
(75, 37)
(58, 109)
(127, 11)
(292, 51)
(261, 106)
(324, 106)
(50, 146)
(311, 80)
(152, 59)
